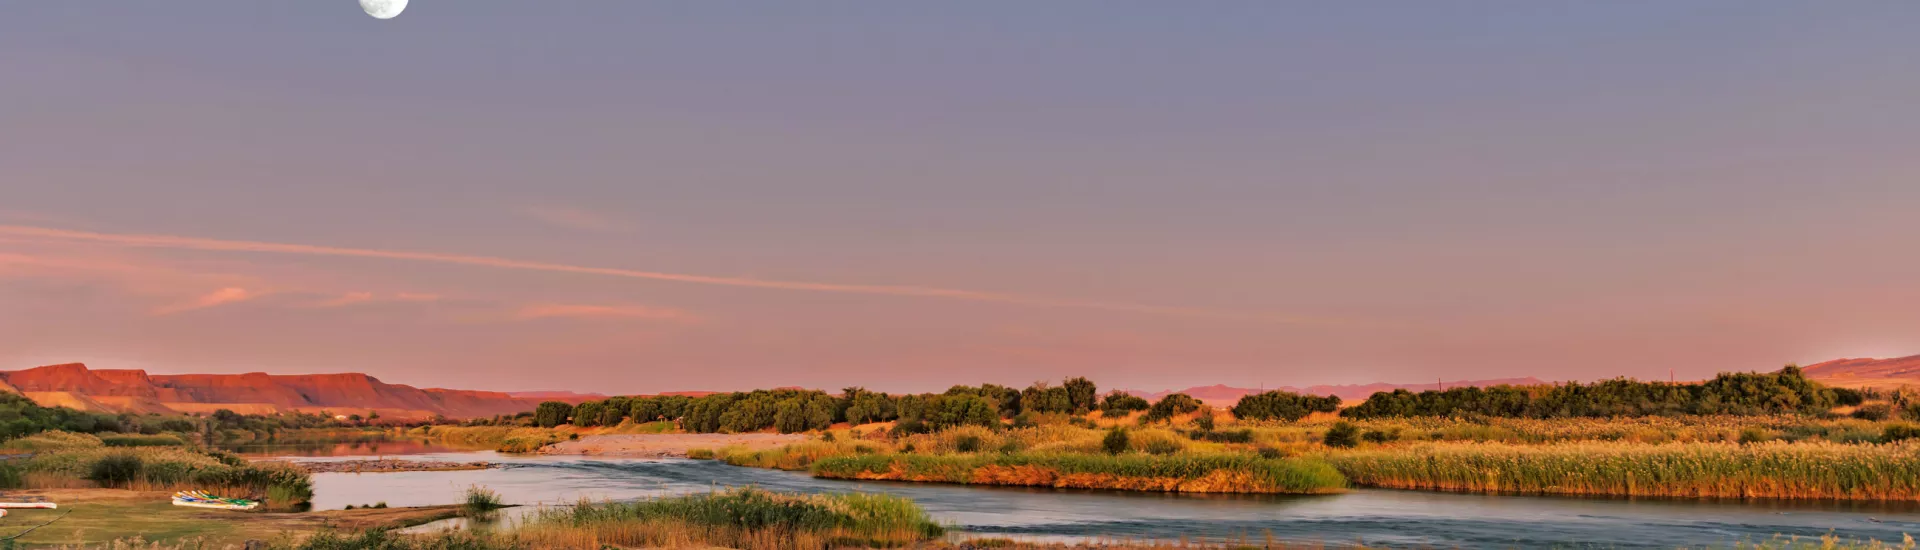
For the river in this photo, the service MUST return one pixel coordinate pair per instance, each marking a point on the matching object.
(1376, 517)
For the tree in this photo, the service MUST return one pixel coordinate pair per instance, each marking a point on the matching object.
(587, 414)
(1283, 405)
(1342, 435)
(1115, 442)
(1082, 395)
(1118, 404)
(1170, 406)
(551, 413)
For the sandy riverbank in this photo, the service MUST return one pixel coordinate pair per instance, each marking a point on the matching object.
(664, 445)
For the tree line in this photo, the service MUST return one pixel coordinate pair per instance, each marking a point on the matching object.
(1787, 391)
(791, 410)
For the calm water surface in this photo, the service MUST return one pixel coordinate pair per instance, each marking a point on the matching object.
(1376, 517)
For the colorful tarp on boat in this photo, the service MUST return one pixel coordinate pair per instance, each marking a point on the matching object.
(202, 499)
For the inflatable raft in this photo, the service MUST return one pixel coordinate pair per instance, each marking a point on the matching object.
(200, 499)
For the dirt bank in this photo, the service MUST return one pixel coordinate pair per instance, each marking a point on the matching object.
(664, 445)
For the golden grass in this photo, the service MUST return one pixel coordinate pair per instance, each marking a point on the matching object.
(1806, 470)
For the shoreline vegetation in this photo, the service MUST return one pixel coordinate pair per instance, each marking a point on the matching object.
(1741, 435)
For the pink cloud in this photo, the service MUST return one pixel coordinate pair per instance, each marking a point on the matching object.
(348, 299)
(51, 235)
(578, 311)
(229, 295)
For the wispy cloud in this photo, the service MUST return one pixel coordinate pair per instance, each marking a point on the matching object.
(574, 218)
(348, 299)
(224, 296)
(549, 311)
(195, 243)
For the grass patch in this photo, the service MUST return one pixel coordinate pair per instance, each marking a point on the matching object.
(480, 500)
(141, 440)
(740, 518)
(1806, 470)
(1207, 473)
(63, 460)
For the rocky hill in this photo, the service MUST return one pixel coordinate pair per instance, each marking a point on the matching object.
(76, 386)
(1868, 373)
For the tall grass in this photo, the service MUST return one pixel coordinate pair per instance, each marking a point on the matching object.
(480, 500)
(798, 456)
(740, 518)
(1198, 473)
(63, 460)
(1806, 470)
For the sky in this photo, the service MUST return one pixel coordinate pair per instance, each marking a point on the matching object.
(626, 197)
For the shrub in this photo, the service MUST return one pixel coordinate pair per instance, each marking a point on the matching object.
(968, 444)
(1272, 453)
(1119, 404)
(700, 454)
(1115, 442)
(1229, 436)
(1170, 406)
(1162, 447)
(1875, 412)
(1899, 432)
(1283, 405)
(1342, 435)
(116, 470)
(1380, 436)
(480, 500)
(1755, 434)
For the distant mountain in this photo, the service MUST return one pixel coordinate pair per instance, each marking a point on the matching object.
(1868, 373)
(75, 386)
(1223, 395)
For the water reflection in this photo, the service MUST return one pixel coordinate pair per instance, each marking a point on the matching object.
(363, 447)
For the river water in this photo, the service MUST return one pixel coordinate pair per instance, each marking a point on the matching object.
(1373, 516)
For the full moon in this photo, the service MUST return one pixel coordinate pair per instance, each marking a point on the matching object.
(383, 9)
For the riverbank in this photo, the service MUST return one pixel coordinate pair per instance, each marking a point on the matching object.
(89, 517)
(666, 445)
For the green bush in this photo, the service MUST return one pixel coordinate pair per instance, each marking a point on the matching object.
(1755, 434)
(1899, 432)
(1115, 442)
(480, 500)
(1342, 435)
(1161, 447)
(1380, 436)
(1875, 412)
(968, 443)
(116, 470)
